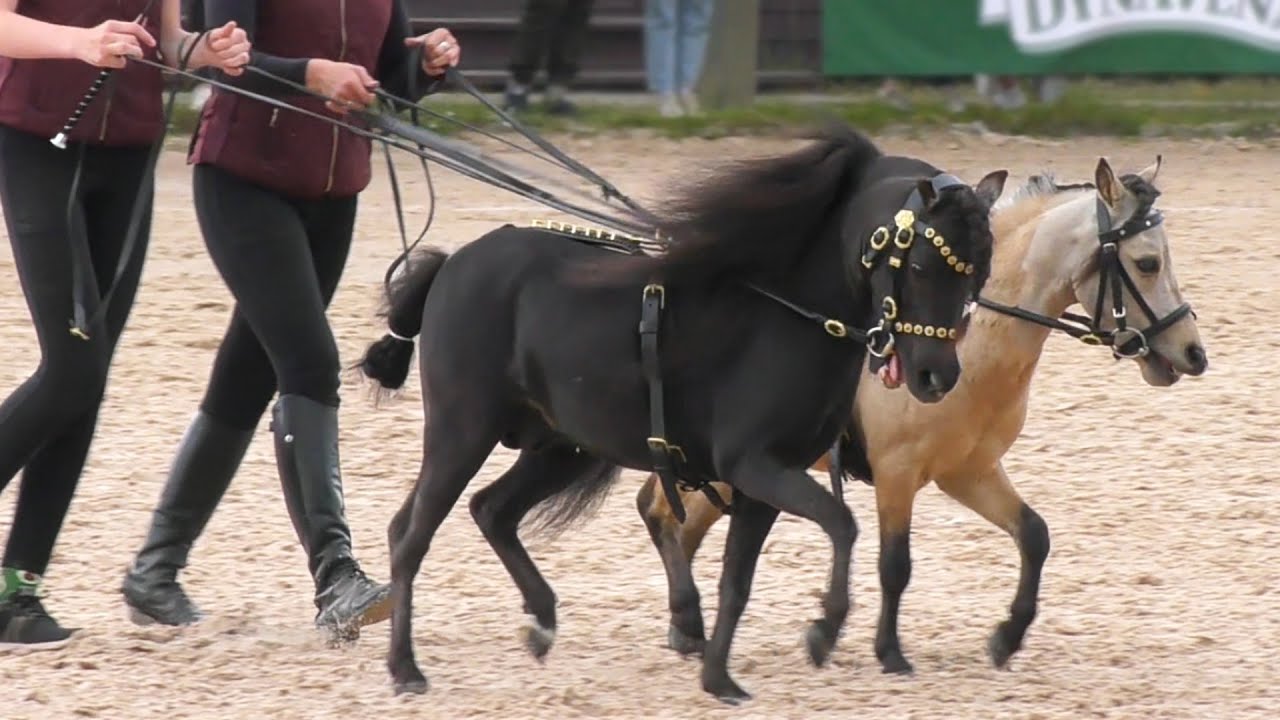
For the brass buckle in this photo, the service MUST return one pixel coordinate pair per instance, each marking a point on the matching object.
(1091, 339)
(661, 444)
(835, 328)
(656, 289)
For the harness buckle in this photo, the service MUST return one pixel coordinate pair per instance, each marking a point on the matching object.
(661, 445)
(1119, 313)
(835, 328)
(660, 291)
(890, 308)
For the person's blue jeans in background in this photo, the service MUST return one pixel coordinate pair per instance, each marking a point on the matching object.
(675, 43)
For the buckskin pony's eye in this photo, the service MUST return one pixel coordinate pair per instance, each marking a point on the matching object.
(1148, 265)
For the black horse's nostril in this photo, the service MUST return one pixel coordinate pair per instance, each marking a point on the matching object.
(1196, 357)
(934, 383)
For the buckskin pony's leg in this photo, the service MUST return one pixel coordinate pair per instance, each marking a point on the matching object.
(992, 496)
(677, 543)
(895, 498)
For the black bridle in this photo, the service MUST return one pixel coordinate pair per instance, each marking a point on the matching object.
(1125, 342)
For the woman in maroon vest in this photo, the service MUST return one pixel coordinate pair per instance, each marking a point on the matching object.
(50, 53)
(275, 193)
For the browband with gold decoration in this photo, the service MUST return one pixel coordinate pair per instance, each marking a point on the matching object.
(903, 235)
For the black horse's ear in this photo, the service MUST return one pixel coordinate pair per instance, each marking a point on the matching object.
(927, 192)
(990, 187)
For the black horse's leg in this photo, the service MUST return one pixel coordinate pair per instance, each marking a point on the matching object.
(992, 496)
(450, 460)
(677, 543)
(498, 509)
(749, 525)
(796, 492)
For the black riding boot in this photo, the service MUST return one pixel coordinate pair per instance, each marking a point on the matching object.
(206, 461)
(306, 434)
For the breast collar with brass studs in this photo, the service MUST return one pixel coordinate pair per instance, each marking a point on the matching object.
(1125, 342)
(907, 226)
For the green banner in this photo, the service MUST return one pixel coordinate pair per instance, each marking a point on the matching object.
(963, 37)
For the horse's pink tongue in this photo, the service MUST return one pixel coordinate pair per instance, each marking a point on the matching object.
(895, 370)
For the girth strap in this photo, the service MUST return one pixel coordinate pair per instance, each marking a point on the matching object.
(666, 458)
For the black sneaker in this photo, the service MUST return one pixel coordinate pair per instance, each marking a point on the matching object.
(351, 601)
(24, 625)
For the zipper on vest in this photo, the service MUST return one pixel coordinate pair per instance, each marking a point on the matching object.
(342, 53)
(106, 113)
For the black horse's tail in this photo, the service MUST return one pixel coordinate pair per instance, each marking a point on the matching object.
(579, 501)
(387, 360)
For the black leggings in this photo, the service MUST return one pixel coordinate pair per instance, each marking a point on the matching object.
(282, 260)
(47, 423)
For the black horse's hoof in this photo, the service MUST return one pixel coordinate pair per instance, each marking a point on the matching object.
(539, 640)
(1000, 649)
(685, 644)
(896, 664)
(413, 682)
(821, 639)
(727, 691)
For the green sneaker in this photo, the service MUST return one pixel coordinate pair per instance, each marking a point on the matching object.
(24, 623)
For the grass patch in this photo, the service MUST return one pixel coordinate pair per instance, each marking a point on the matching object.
(1235, 107)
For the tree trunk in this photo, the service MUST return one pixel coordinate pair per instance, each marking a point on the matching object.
(729, 75)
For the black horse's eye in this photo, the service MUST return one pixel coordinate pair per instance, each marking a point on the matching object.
(1148, 265)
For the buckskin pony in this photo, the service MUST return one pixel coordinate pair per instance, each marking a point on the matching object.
(528, 338)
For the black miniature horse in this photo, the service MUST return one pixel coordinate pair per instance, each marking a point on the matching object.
(529, 338)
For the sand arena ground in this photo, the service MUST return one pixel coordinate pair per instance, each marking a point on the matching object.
(1161, 597)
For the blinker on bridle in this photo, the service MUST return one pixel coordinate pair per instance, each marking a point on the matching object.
(1126, 343)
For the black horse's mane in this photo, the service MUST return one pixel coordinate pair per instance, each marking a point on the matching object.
(756, 219)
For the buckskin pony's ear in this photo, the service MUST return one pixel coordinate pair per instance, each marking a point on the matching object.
(927, 193)
(1149, 172)
(990, 187)
(1109, 186)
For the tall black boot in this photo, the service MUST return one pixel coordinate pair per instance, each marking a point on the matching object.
(207, 459)
(306, 435)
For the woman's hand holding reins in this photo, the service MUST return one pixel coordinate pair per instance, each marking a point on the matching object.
(440, 50)
(225, 48)
(109, 44)
(348, 86)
